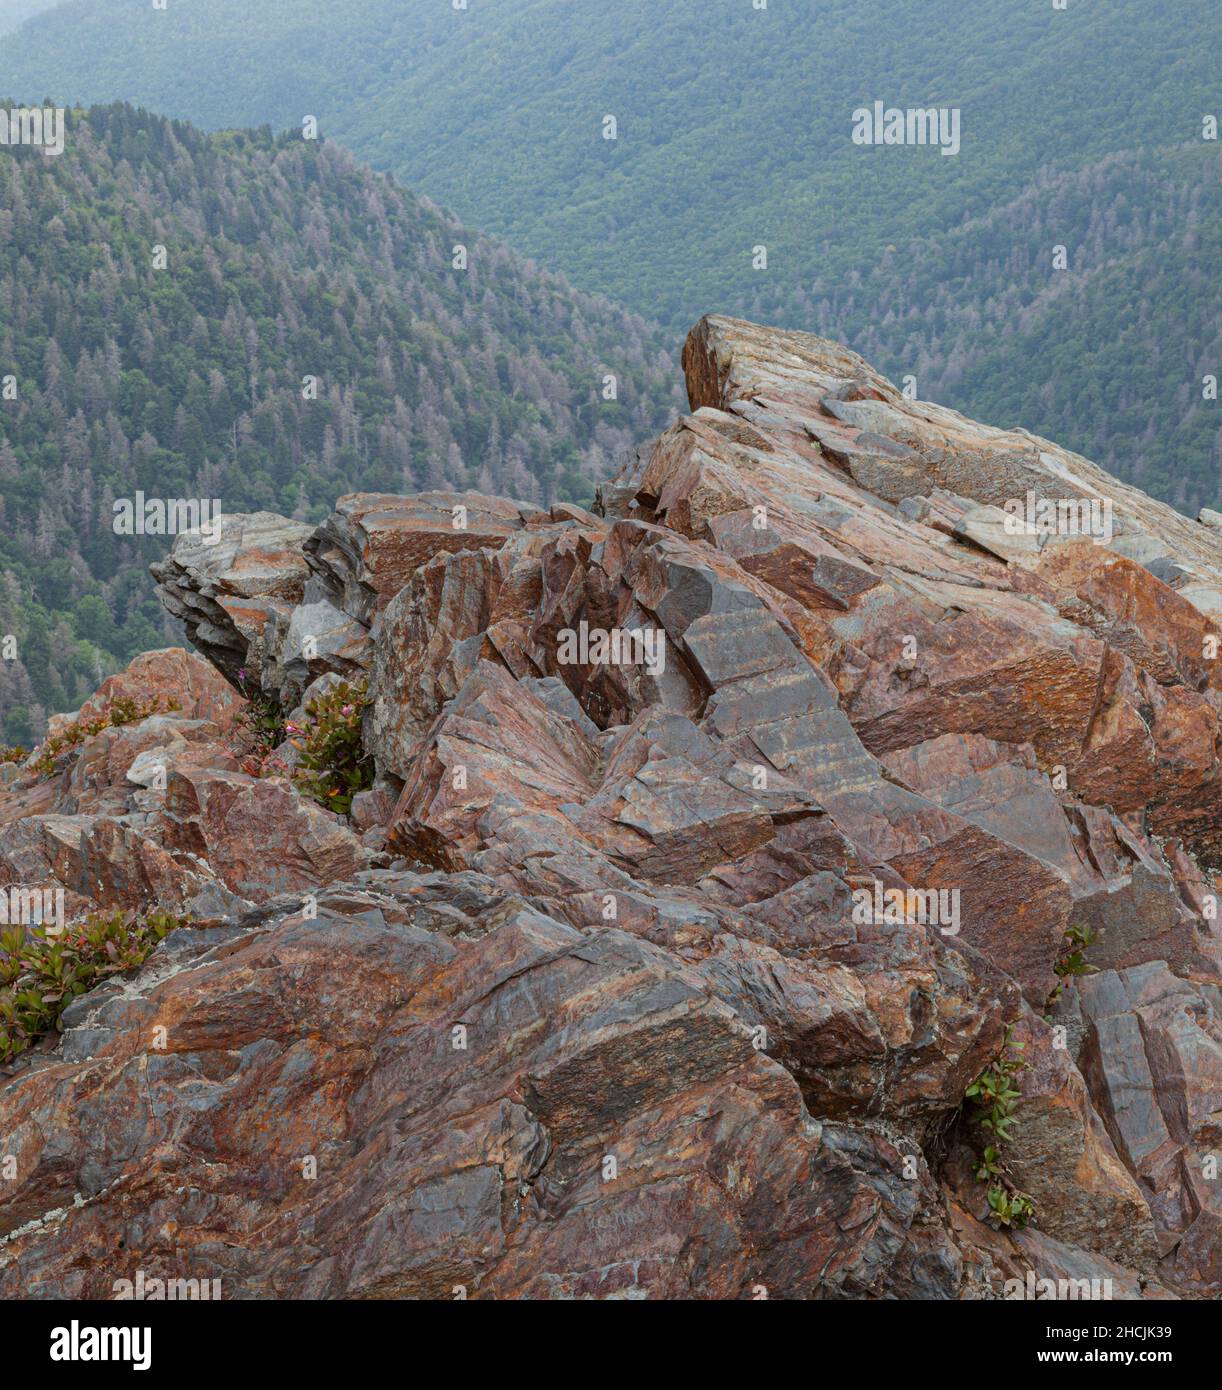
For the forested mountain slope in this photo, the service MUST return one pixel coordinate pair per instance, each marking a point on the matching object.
(734, 124)
(734, 132)
(284, 260)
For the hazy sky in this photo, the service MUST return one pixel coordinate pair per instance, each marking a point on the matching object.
(12, 12)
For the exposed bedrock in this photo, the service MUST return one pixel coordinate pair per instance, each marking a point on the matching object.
(721, 837)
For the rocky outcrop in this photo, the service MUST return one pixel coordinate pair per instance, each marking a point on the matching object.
(721, 837)
(225, 592)
(434, 1128)
(160, 813)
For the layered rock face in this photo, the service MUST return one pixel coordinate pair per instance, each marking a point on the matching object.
(721, 838)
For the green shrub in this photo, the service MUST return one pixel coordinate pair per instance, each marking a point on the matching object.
(264, 722)
(1009, 1208)
(41, 973)
(334, 765)
(996, 1096)
(1072, 962)
(124, 710)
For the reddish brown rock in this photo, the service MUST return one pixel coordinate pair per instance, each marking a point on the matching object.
(1062, 1157)
(616, 1014)
(224, 594)
(158, 812)
(1153, 1059)
(170, 677)
(372, 544)
(644, 1150)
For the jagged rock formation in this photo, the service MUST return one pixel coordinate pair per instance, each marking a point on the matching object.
(583, 1000)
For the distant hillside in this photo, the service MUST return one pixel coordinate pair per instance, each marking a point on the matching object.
(734, 131)
(734, 123)
(284, 260)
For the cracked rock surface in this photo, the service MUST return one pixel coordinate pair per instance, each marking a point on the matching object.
(581, 1002)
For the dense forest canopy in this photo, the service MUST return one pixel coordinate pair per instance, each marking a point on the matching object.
(283, 260)
(733, 132)
(733, 123)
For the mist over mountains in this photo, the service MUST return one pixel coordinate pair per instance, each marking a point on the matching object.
(14, 13)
